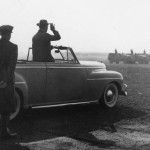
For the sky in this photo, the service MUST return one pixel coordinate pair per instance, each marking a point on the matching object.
(85, 25)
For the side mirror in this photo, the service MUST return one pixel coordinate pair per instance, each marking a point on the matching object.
(57, 51)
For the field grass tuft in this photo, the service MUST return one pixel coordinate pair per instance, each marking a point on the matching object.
(137, 77)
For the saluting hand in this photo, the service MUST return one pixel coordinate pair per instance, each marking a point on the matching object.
(52, 26)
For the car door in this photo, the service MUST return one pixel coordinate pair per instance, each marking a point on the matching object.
(34, 76)
(64, 82)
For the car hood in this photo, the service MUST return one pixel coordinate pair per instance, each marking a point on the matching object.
(93, 64)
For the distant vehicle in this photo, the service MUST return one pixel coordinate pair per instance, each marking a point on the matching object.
(115, 58)
(142, 58)
(131, 58)
(67, 81)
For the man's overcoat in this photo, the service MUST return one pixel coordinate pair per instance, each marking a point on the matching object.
(41, 44)
(8, 59)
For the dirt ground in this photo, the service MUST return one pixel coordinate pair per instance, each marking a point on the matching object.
(91, 127)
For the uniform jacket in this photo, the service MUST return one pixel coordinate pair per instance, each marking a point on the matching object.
(41, 44)
(8, 59)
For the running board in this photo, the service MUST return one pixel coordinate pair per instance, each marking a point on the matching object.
(59, 105)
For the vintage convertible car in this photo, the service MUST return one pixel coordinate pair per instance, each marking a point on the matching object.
(66, 81)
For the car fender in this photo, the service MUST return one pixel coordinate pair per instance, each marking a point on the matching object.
(21, 85)
(105, 74)
(98, 79)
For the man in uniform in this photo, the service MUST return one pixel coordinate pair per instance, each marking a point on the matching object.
(8, 59)
(41, 42)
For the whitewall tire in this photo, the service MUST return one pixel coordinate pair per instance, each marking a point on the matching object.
(18, 105)
(110, 96)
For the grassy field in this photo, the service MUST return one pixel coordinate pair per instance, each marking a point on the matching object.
(93, 56)
(88, 123)
(137, 77)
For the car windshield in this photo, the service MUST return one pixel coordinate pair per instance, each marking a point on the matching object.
(60, 54)
(63, 54)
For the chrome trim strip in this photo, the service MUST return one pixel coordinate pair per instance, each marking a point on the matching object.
(20, 82)
(59, 105)
(76, 67)
(104, 79)
(30, 67)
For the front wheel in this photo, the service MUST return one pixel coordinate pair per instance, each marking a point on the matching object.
(110, 96)
(18, 105)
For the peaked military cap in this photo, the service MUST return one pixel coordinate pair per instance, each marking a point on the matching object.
(6, 29)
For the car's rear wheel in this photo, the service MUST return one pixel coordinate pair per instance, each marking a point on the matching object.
(18, 105)
(110, 96)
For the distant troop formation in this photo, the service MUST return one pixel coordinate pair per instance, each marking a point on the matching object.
(131, 58)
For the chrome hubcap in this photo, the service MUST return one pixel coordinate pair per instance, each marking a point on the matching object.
(111, 95)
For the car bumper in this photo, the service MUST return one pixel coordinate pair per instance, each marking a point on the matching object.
(123, 91)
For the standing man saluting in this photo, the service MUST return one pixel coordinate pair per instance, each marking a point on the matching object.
(8, 59)
(41, 42)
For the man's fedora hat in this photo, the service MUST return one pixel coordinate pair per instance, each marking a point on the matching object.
(43, 23)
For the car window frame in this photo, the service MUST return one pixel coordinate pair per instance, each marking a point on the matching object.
(59, 48)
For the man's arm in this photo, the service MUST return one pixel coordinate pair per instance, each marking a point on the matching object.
(56, 35)
(12, 63)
